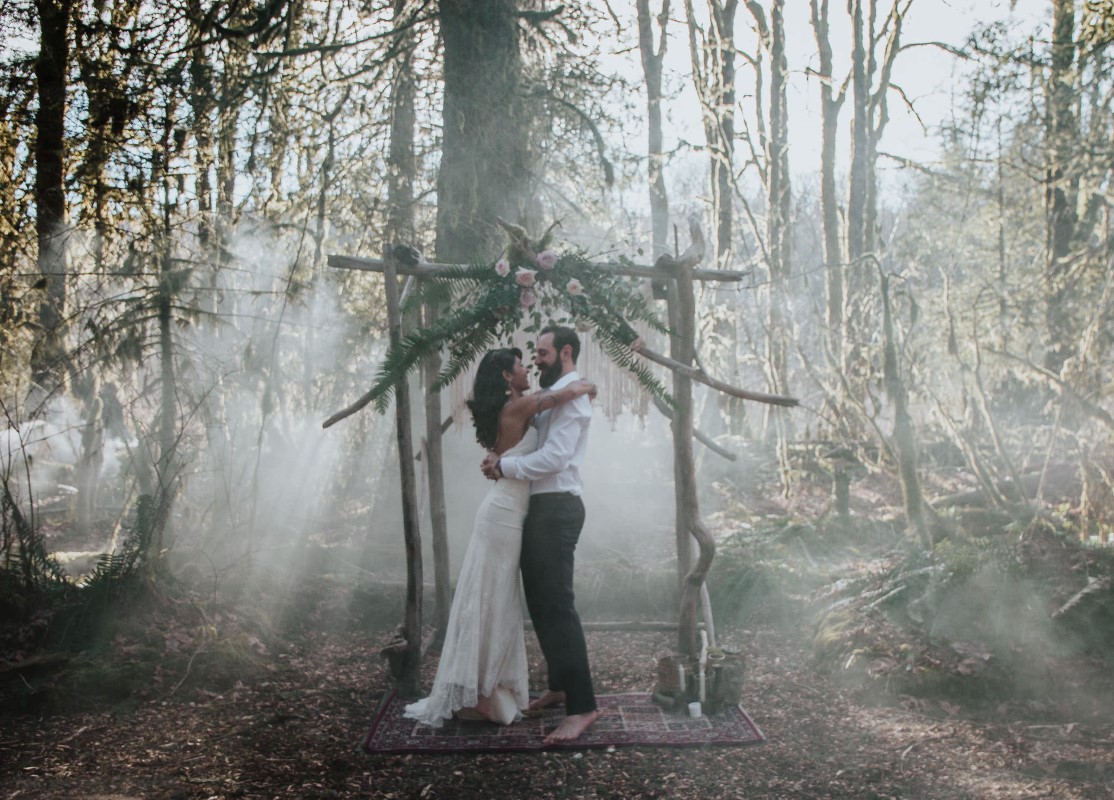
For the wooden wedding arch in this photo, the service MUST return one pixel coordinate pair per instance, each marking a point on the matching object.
(679, 275)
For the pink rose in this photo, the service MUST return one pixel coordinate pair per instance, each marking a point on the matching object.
(527, 298)
(524, 277)
(546, 259)
(502, 267)
(574, 287)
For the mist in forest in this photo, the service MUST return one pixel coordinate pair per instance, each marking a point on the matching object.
(269, 495)
(918, 250)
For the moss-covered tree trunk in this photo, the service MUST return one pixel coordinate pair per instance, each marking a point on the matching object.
(857, 236)
(484, 155)
(484, 175)
(652, 59)
(51, 74)
(168, 462)
(1061, 184)
(830, 103)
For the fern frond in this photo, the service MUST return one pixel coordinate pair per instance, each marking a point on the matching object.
(420, 345)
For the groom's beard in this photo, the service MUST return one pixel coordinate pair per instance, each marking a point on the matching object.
(549, 375)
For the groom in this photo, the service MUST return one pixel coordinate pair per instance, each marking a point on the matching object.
(551, 531)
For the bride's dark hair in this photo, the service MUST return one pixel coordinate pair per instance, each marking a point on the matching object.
(489, 392)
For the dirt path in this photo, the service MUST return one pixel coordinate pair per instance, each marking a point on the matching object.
(292, 734)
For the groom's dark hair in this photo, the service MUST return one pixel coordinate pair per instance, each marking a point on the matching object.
(563, 336)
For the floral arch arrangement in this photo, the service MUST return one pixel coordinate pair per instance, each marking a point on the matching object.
(529, 286)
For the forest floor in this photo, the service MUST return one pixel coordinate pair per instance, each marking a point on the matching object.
(288, 726)
(266, 690)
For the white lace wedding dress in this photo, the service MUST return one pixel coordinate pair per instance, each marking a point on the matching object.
(485, 649)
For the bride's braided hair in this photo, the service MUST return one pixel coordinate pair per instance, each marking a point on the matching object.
(489, 393)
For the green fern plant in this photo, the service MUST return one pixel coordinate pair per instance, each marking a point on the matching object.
(113, 569)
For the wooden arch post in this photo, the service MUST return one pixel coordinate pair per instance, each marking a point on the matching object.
(405, 656)
(690, 527)
(682, 300)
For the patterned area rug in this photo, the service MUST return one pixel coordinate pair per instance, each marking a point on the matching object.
(625, 719)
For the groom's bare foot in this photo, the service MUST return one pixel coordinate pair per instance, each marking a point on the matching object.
(572, 726)
(548, 699)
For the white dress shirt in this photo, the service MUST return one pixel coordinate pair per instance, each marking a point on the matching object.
(562, 442)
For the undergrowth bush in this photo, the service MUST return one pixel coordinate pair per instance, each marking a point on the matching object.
(975, 619)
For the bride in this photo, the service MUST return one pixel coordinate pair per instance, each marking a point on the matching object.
(483, 671)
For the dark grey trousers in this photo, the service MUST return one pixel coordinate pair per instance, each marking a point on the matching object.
(549, 536)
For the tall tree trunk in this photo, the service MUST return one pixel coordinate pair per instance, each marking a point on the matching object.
(202, 98)
(208, 124)
(904, 436)
(167, 463)
(278, 91)
(779, 200)
(166, 471)
(779, 236)
(228, 122)
(1061, 183)
(830, 104)
(484, 171)
(401, 162)
(858, 177)
(652, 60)
(1002, 333)
(96, 72)
(869, 119)
(317, 264)
(723, 164)
(51, 73)
(484, 156)
(879, 115)
(713, 69)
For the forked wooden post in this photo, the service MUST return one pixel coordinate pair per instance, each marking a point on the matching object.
(405, 655)
(682, 317)
(435, 471)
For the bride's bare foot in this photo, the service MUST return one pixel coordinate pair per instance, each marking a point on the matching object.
(477, 713)
(548, 699)
(572, 726)
(483, 705)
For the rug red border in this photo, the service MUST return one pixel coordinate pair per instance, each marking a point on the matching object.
(626, 720)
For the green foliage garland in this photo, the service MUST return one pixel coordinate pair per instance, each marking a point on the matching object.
(487, 303)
